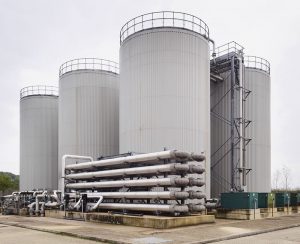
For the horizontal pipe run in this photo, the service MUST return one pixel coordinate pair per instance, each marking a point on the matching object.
(180, 182)
(153, 170)
(144, 207)
(140, 158)
(196, 182)
(196, 207)
(196, 169)
(166, 195)
(197, 157)
(52, 204)
(196, 195)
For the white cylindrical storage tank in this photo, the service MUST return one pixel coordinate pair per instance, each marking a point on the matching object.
(258, 110)
(164, 87)
(38, 137)
(88, 108)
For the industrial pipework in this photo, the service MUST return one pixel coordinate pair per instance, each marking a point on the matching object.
(153, 183)
(32, 203)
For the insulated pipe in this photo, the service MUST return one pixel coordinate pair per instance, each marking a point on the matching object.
(167, 195)
(195, 169)
(242, 171)
(31, 207)
(97, 204)
(197, 157)
(15, 193)
(63, 165)
(196, 195)
(148, 157)
(157, 169)
(78, 204)
(196, 207)
(43, 209)
(52, 204)
(130, 183)
(36, 192)
(37, 201)
(214, 50)
(146, 207)
(8, 196)
(196, 182)
(55, 196)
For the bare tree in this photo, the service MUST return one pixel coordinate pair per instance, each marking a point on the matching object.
(286, 173)
(276, 179)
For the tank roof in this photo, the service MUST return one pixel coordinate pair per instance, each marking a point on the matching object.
(164, 19)
(257, 63)
(39, 90)
(89, 64)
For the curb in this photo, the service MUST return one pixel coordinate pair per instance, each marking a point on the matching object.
(63, 233)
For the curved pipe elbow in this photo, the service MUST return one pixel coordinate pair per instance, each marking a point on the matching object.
(97, 204)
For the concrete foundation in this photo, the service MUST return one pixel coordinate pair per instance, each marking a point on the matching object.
(248, 214)
(242, 214)
(284, 211)
(23, 212)
(268, 212)
(148, 221)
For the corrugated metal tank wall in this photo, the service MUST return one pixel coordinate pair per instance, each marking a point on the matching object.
(164, 90)
(88, 108)
(221, 170)
(38, 138)
(258, 110)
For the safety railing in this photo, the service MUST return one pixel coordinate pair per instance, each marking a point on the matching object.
(257, 63)
(39, 90)
(231, 47)
(88, 64)
(164, 19)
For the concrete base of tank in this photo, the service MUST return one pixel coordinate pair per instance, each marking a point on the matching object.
(296, 209)
(242, 214)
(148, 221)
(284, 211)
(268, 212)
(249, 214)
(23, 212)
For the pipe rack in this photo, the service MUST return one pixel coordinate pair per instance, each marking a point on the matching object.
(151, 182)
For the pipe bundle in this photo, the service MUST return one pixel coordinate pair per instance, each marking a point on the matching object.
(153, 183)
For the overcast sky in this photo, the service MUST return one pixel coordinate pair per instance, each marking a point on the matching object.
(37, 36)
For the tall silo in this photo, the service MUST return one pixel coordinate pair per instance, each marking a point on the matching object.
(164, 87)
(88, 108)
(258, 110)
(38, 137)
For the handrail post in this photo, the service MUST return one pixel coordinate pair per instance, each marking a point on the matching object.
(152, 20)
(173, 19)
